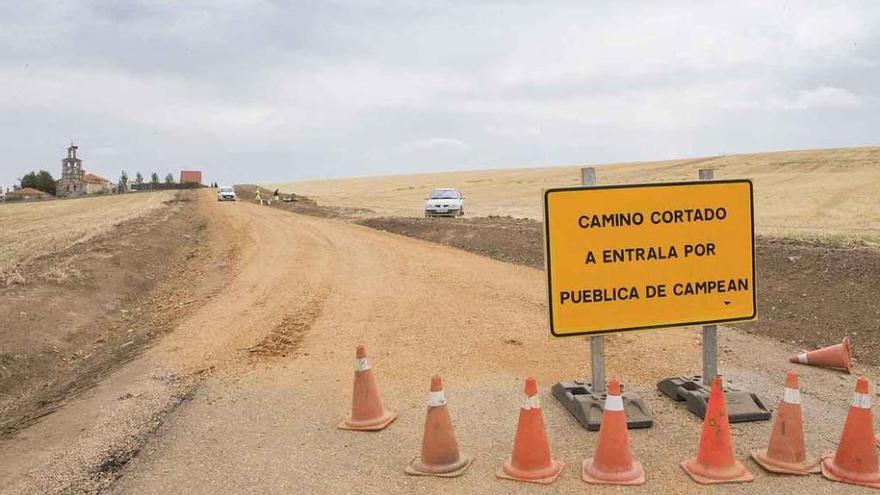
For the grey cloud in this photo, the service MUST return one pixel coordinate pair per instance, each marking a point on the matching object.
(270, 90)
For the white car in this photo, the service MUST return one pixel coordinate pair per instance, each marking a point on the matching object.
(225, 193)
(444, 202)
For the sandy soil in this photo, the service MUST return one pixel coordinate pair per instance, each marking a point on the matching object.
(210, 409)
(811, 294)
(244, 394)
(827, 193)
(423, 309)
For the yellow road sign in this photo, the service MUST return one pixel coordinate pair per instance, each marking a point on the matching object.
(632, 257)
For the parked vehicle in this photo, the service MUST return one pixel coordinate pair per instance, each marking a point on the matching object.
(446, 202)
(225, 193)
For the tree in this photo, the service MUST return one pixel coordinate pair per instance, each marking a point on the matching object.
(123, 181)
(154, 179)
(138, 178)
(169, 179)
(41, 181)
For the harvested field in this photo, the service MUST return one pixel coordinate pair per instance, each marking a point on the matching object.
(832, 194)
(32, 230)
(810, 294)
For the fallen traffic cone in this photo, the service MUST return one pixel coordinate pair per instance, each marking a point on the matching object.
(855, 460)
(440, 456)
(531, 459)
(786, 453)
(613, 462)
(837, 356)
(367, 412)
(714, 462)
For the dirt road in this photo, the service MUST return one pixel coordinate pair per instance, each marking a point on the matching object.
(244, 396)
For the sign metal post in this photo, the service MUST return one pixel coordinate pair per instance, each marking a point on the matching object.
(597, 363)
(742, 406)
(585, 399)
(597, 342)
(710, 332)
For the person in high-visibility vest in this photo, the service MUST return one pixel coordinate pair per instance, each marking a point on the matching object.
(276, 196)
(257, 196)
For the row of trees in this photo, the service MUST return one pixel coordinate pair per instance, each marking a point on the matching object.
(43, 180)
(139, 179)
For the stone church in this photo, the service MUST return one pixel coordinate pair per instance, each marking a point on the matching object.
(72, 181)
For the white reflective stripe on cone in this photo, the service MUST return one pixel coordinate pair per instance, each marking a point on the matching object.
(531, 402)
(862, 401)
(361, 364)
(614, 403)
(791, 396)
(436, 399)
(802, 358)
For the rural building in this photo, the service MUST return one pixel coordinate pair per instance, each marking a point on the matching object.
(27, 194)
(97, 185)
(72, 181)
(190, 176)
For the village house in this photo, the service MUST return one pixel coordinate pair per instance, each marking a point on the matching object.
(27, 194)
(190, 176)
(97, 185)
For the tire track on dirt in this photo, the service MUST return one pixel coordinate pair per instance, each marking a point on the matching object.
(287, 336)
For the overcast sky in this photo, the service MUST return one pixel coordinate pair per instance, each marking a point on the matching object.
(274, 90)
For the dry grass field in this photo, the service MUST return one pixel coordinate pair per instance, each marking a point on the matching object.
(31, 230)
(833, 193)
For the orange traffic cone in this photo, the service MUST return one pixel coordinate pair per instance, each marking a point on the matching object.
(440, 456)
(837, 356)
(786, 453)
(613, 463)
(714, 462)
(367, 412)
(531, 453)
(855, 460)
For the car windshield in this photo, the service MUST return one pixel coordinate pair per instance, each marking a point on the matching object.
(444, 194)
(225, 189)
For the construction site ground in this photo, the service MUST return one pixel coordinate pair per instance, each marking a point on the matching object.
(243, 392)
(811, 293)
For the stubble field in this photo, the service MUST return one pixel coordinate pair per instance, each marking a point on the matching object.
(831, 194)
(32, 230)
